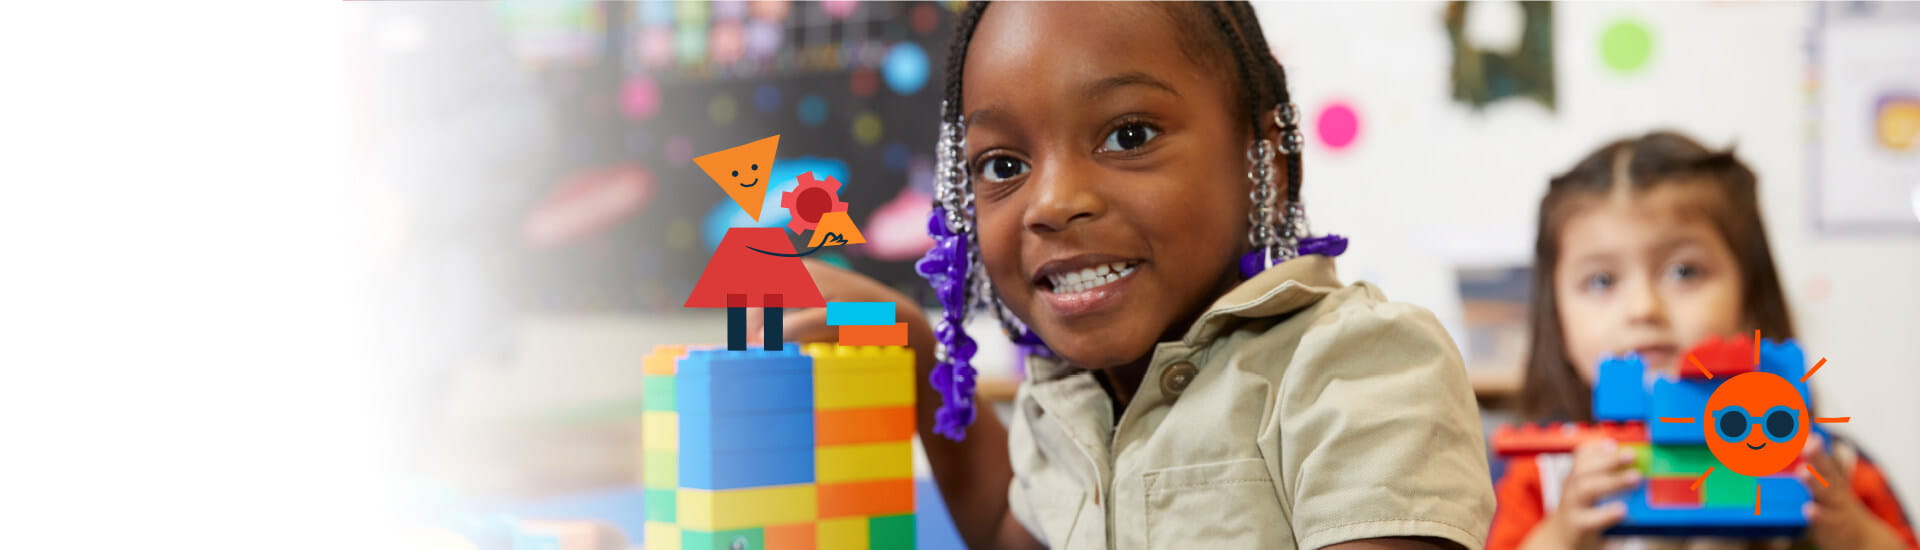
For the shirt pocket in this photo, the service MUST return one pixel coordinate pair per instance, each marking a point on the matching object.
(1215, 505)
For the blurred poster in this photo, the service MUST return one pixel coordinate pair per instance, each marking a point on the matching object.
(1865, 86)
(1494, 303)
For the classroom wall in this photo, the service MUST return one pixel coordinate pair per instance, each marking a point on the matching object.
(1430, 184)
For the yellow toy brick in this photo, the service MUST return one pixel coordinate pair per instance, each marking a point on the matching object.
(839, 533)
(853, 377)
(663, 535)
(659, 431)
(664, 359)
(660, 469)
(863, 462)
(742, 508)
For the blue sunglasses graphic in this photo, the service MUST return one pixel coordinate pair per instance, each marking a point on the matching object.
(1779, 423)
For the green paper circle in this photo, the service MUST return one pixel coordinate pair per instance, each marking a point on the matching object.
(1626, 45)
(722, 110)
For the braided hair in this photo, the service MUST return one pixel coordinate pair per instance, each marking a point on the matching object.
(1213, 34)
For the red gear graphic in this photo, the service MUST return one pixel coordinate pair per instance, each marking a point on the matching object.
(810, 200)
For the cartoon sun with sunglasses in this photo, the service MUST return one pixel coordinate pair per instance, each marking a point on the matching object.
(1756, 423)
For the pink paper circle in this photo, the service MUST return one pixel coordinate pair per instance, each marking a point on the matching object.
(1338, 125)
(838, 9)
(640, 98)
(728, 42)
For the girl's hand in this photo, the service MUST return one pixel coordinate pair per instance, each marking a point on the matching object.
(1836, 518)
(1600, 468)
(836, 285)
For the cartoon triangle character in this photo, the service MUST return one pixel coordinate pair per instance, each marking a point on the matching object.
(744, 172)
(757, 266)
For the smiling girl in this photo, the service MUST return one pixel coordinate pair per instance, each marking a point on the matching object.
(1201, 378)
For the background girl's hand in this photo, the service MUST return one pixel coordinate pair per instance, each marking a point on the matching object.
(1600, 468)
(1837, 518)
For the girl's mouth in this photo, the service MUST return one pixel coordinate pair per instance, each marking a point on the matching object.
(1085, 289)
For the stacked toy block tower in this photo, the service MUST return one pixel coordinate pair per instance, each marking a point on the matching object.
(1629, 403)
(790, 449)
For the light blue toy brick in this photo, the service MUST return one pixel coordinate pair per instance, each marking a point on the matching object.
(702, 434)
(1620, 394)
(1784, 358)
(1780, 515)
(1679, 398)
(744, 381)
(740, 470)
(531, 541)
(860, 313)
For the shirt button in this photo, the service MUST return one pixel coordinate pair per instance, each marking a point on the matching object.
(1175, 379)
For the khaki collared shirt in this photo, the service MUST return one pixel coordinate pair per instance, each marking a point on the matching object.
(1295, 413)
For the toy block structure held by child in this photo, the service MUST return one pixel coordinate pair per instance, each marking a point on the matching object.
(1664, 418)
(798, 448)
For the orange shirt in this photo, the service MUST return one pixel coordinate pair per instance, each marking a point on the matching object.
(1520, 505)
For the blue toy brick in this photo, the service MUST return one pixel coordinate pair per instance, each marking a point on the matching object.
(704, 434)
(740, 470)
(1679, 398)
(1780, 515)
(1621, 392)
(746, 381)
(1785, 359)
(860, 313)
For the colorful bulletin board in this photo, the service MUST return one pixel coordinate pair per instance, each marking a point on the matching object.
(627, 219)
(1864, 148)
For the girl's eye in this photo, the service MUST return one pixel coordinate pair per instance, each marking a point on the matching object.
(1599, 282)
(1129, 137)
(1683, 271)
(1002, 168)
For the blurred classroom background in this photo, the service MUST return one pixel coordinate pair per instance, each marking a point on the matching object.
(540, 220)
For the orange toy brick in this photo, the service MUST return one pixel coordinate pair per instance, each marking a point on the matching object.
(866, 498)
(883, 335)
(849, 426)
(799, 536)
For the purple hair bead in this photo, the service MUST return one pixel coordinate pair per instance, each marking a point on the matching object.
(1252, 263)
(1327, 245)
(946, 266)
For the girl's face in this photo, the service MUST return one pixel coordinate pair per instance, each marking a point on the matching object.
(1645, 271)
(1109, 175)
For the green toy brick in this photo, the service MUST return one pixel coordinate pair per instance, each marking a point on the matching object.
(657, 392)
(660, 505)
(890, 532)
(661, 470)
(748, 539)
(1642, 457)
(1725, 489)
(1681, 460)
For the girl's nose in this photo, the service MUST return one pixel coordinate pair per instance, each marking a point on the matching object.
(1065, 193)
(1645, 305)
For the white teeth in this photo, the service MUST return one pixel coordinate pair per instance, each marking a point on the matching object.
(1090, 278)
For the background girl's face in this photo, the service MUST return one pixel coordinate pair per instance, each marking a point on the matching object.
(1645, 271)
(1109, 175)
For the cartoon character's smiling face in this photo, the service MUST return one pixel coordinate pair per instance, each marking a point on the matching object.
(1756, 423)
(753, 171)
(738, 171)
